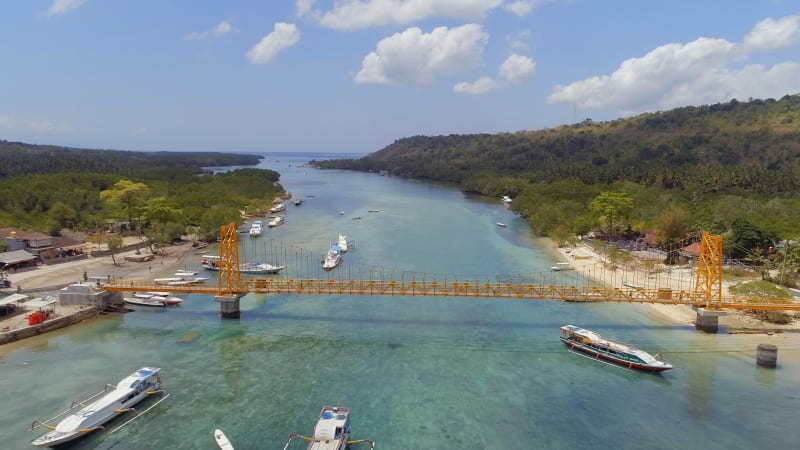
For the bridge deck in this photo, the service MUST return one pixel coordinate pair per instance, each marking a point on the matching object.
(466, 289)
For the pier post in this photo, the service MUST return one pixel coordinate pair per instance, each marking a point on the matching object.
(707, 320)
(228, 305)
(767, 355)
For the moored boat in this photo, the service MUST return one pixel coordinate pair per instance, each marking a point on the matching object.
(160, 296)
(222, 441)
(298, 201)
(256, 229)
(501, 225)
(148, 301)
(598, 347)
(277, 220)
(333, 258)
(331, 431)
(82, 418)
(562, 266)
(211, 262)
(278, 208)
(342, 243)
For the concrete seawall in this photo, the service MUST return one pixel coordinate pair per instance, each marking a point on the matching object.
(48, 325)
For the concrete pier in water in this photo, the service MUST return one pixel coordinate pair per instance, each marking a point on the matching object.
(228, 305)
(707, 320)
(767, 355)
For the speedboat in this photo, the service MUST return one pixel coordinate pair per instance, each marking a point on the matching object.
(257, 228)
(501, 225)
(333, 258)
(562, 266)
(278, 208)
(211, 262)
(331, 432)
(277, 220)
(148, 301)
(598, 347)
(342, 243)
(160, 296)
(298, 201)
(83, 418)
(506, 199)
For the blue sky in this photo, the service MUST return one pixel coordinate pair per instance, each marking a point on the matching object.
(354, 75)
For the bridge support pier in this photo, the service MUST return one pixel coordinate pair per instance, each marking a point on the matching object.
(228, 305)
(707, 320)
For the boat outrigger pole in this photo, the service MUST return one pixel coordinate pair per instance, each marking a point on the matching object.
(311, 439)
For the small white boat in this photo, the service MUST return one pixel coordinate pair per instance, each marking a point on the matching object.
(278, 208)
(506, 199)
(211, 262)
(277, 220)
(256, 229)
(501, 225)
(298, 201)
(333, 258)
(222, 441)
(149, 301)
(160, 296)
(84, 418)
(342, 243)
(562, 266)
(331, 431)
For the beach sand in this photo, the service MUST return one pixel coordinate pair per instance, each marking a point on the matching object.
(584, 259)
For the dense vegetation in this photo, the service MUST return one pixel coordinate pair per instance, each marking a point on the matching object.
(685, 170)
(27, 159)
(164, 195)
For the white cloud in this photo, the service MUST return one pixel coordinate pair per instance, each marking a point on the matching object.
(482, 85)
(770, 34)
(520, 8)
(517, 69)
(221, 29)
(303, 7)
(61, 7)
(356, 14)
(413, 57)
(284, 36)
(702, 71)
(519, 40)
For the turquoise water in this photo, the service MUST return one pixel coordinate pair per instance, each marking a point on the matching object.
(417, 372)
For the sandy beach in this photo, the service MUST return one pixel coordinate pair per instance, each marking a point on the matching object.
(585, 259)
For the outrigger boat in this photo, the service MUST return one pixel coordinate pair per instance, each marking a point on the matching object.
(331, 432)
(599, 347)
(84, 418)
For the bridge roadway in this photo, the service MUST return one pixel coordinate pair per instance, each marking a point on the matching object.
(445, 288)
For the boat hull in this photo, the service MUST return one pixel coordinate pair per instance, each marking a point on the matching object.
(601, 355)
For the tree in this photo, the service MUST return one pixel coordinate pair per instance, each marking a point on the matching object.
(671, 227)
(126, 194)
(63, 215)
(612, 207)
(748, 241)
(114, 243)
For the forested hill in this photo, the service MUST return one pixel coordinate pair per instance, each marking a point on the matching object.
(19, 159)
(752, 146)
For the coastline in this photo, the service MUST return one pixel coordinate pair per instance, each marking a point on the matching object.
(582, 256)
(46, 279)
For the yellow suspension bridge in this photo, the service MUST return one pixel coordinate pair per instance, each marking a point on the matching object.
(707, 295)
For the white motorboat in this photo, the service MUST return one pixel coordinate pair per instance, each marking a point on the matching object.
(506, 199)
(333, 258)
(342, 243)
(331, 432)
(278, 208)
(149, 301)
(211, 262)
(83, 418)
(501, 225)
(256, 229)
(160, 296)
(222, 441)
(277, 220)
(562, 266)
